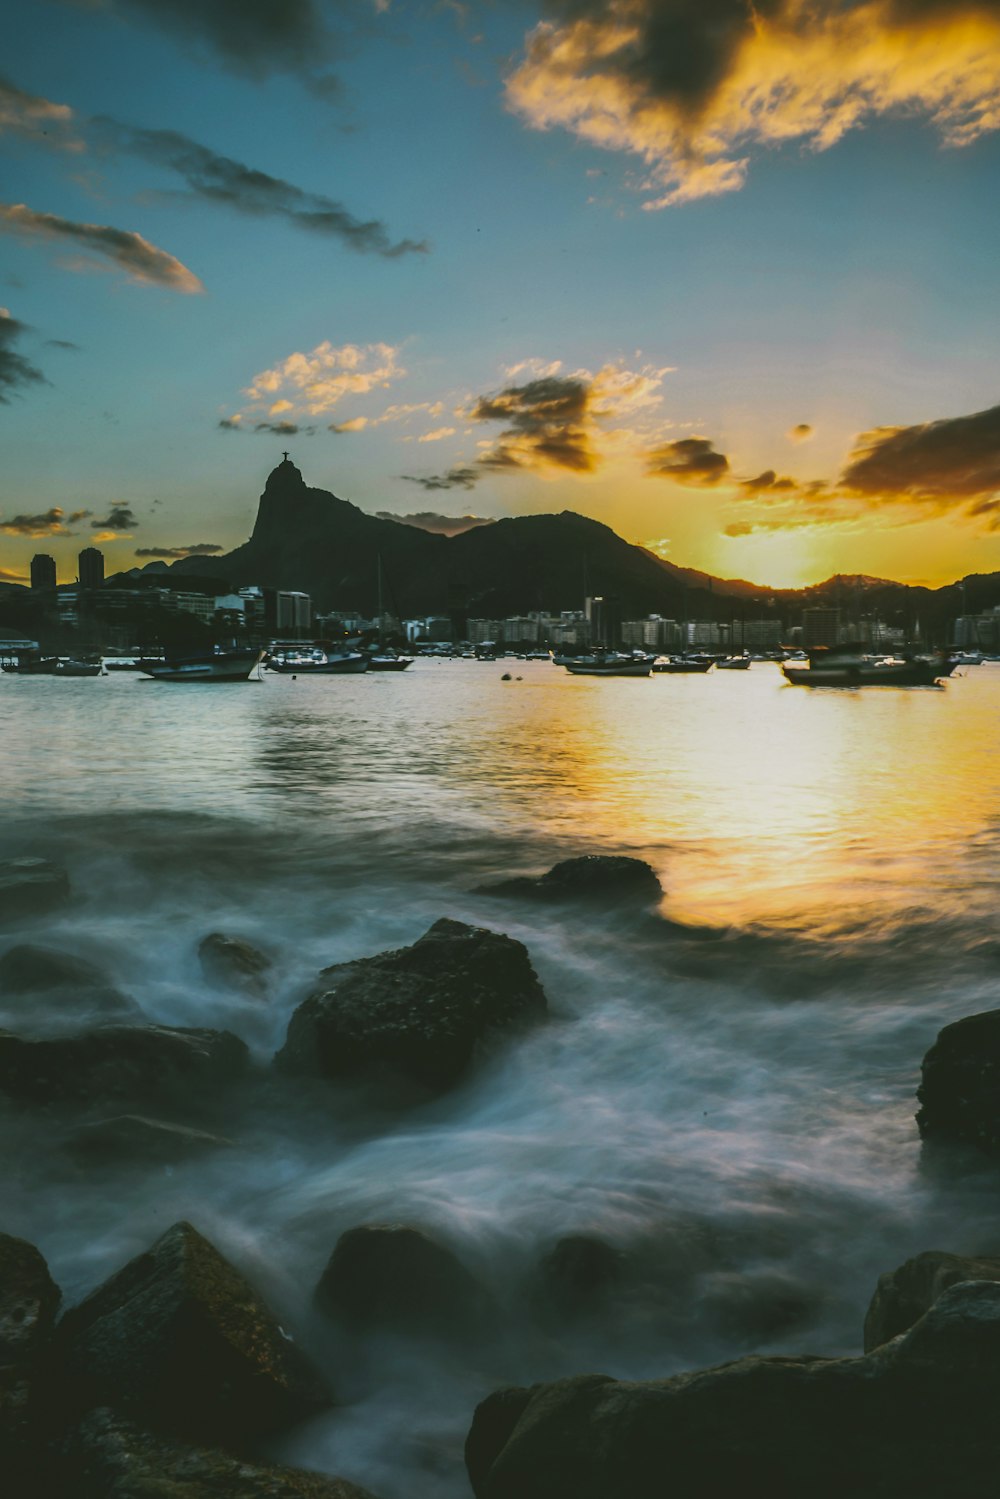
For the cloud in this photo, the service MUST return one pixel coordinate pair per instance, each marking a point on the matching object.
(437, 434)
(431, 520)
(142, 261)
(118, 518)
(49, 523)
(6, 576)
(801, 432)
(284, 429)
(313, 383)
(460, 477)
(688, 460)
(693, 87)
(356, 424)
(62, 343)
(255, 37)
(232, 184)
(16, 372)
(770, 483)
(198, 549)
(35, 118)
(945, 464)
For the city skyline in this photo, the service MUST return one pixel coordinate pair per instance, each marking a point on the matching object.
(722, 280)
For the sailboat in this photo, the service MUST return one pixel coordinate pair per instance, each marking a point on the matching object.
(385, 658)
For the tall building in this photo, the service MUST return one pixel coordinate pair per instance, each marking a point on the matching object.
(605, 615)
(43, 571)
(91, 565)
(820, 627)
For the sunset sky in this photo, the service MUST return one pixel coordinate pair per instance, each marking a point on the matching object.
(724, 277)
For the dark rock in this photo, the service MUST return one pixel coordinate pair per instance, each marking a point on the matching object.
(108, 1457)
(230, 960)
(902, 1296)
(46, 980)
(30, 887)
(607, 878)
(118, 1062)
(960, 1090)
(133, 1137)
(915, 1419)
(29, 1299)
(392, 1277)
(419, 1012)
(577, 1270)
(179, 1339)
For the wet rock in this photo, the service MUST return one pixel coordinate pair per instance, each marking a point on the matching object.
(30, 887)
(108, 1457)
(180, 1340)
(577, 1270)
(606, 878)
(35, 981)
(393, 1277)
(233, 962)
(29, 1300)
(134, 1137)
(902, 1296)
(960, 1089)
(118, 1062)
(914, 1418)
(419, 1012)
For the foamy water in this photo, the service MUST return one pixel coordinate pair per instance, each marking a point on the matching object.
(725, 1091)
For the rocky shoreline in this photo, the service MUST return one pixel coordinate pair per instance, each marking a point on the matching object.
(163, 1382)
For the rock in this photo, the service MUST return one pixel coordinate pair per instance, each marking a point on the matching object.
(29, 1300)
(396, 1278)
(39, 979)
(29, 887)
(576, 1270)
(134, 1137)
(419, 1012)
(108, 1457)
(118, 1062)
(231, 961)
(960, 1090)
(915, 1419)
(904, 1295)
(607, 878)
(178, 1339)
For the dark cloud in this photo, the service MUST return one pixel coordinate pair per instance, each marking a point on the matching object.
(689, 460)
(546, 420)
(220, 179)
(801, 432)
(229, 424)
(456, 478)
(48, 523)
(198, 549)
(62, 343)
(142, 260)
(283, 429)
(769, 483)
(431, 520)
(258, 37)
(943, 463)
(118, 518)
(16, 372)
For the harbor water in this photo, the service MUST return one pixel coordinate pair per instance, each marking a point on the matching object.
(724, 1092)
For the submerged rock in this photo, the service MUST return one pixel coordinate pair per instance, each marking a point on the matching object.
(42, 981)
(393, 1277)
(108, 1457)
(902, 1296)
(179, 1339)
(577, 1270)
(419, 1012)
(914, 1418)
(29, 887)
(134, 1137)
(960, 1089)
(608, 878)
(118, 1062)
(231, 961)
(29, 1300)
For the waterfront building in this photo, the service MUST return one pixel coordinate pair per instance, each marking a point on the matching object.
(287, 611)
(91, 569)
(820, 627)
(977, 632)
(43, 572)
(605, 616)
(654, 633)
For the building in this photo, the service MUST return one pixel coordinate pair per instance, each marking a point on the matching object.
(91, 568)
(977, 632)
(820, 627)
(43, 571)
(605, 616)
(756, 634)
(654, 633)
(290, 611)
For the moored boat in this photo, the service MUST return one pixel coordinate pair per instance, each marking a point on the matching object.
(734, 663)
(207, 666)
(609, 666)
(389, 661)
(829, 667)
(684, 664)
(321, 664)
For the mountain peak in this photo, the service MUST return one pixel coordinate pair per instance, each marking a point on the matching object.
(285, 479)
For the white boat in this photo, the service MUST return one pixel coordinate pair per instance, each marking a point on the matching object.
(320, 664)
(208, 666)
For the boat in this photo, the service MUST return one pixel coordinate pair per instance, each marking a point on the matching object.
(67, 667)
(830, 667)
(684, 664)
(734, 663)
(207, 666)
(33, 666)
(609, 666)
(319, 664)
(388, 661)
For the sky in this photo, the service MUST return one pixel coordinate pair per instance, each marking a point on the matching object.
(722, 276)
